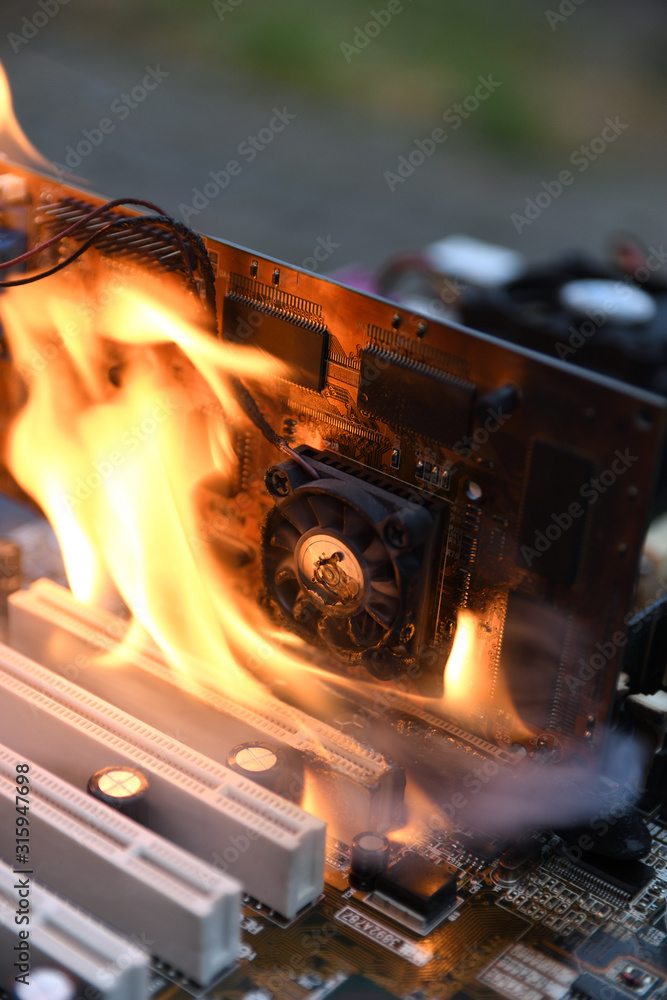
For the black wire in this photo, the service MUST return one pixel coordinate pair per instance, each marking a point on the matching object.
(181, 231)
(83, 221)
(188, 236)
(247, 403)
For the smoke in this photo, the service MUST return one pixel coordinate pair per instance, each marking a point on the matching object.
(540, 793)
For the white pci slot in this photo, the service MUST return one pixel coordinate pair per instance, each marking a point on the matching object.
(60, 936)
(274, 848)
(362, 788)
(186, 912)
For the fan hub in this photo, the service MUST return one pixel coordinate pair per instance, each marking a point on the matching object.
(330, 571)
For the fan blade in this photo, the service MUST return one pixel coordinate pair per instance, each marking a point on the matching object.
(386, 586)
(358, 527)
(301, 515)
(382, 608)
(328, 510)
(376, 552)
(285, 536)
(364, 631)
(285, 572)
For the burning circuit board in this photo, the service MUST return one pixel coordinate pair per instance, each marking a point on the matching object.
(442, 484)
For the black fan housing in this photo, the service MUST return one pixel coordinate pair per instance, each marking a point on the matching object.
(346, 562)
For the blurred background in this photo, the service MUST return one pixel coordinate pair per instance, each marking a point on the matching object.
(363, 81)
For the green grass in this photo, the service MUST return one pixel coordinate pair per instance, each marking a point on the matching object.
(427, 57)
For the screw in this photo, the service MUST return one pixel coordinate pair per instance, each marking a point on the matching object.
(277, 482)
(396, 535)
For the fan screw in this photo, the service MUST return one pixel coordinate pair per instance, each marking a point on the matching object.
(277, 482)
(396, 535)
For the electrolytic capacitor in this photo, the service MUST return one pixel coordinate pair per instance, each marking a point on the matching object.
(278, 768)
(369, 858)
(123, 788)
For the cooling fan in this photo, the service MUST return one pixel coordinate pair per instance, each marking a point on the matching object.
(587, 314)
(346, 561)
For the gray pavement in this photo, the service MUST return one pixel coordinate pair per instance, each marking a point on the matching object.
(323, 174)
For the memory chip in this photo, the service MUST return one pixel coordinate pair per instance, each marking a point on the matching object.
(408, 394)
(553, 517)
(301, 345)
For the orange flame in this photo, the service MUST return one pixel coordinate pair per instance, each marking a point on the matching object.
(475, 689)
(113, 465)
(13, 143)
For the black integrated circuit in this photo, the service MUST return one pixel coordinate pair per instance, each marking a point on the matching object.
(420, 885)
(360, 988)
(554, 509)
(409, 394)
(629, 877)
(589, 987)
(299, 343)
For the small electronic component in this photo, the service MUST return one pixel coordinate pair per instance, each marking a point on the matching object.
(634, 978)
(123, 788)
(419, 885)
(300, 344)
(369, 859)
(590, 987)
(280, 769)
(513, 862)
(555, 478)
(360, 988)
(629, 877)
(430, 402)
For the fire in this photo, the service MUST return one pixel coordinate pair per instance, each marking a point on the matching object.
(459, 673)
(129, 406)
(423, 819)
(475, 690)
(15, 145)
